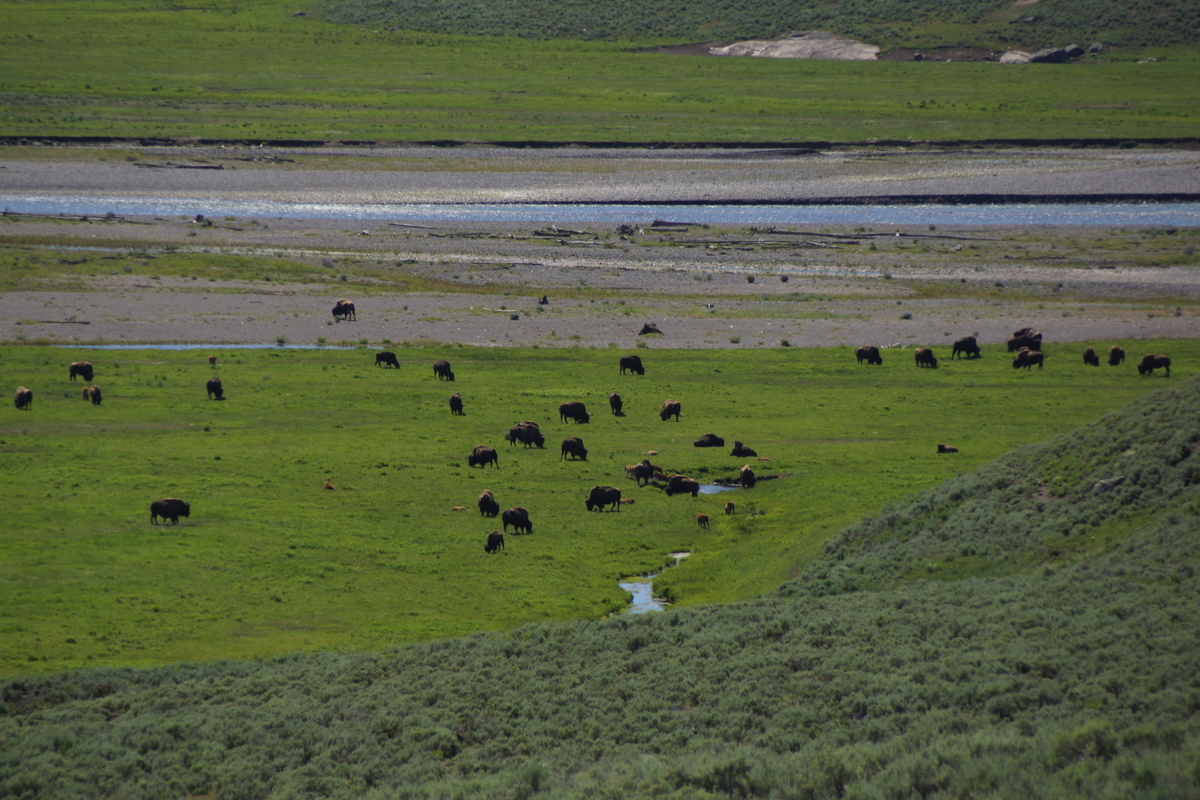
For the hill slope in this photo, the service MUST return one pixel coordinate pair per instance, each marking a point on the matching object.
(1070, 670)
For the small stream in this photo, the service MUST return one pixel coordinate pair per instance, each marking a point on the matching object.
(641, 590)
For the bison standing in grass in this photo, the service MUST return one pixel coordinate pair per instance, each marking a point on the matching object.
(215, 390)
(1090, 358)
(682, 484)
(495, 541)
(481, 456)
(441, 370)
(670, 408)
(967, 346)
(81, 368)
(1116, 355)
(527, 433)
(633, 364)
(746, 477)
(869, 354)
(488, 507)
(456, 404)
(387, 359)
(1153, 361)
(169, 508)
(23, 399)
(574, 448)
(1027, 358)
(924, 357)
(518, 518)
(574, 410)
(601, 496)
(616, 404)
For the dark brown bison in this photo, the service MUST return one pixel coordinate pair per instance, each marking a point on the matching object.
(1116, 355)
(169, 508)
(495, 541)
(642, 472)
(574, 448)
(488, 507)
(83, 369)
(967, 346)
(1090, 358)
(574, 410)
(1030, 342)
(746, 477)
(869, 354)
(682, 484)
(670, 409)
(741, 451)
(527, 433)
(95, 396)
(343, 309)
(925, 357)
(386, 358)
(615, 404)
(23, 399)
(601, 496)
(1027, 358)
(518, 518)
(1027, 332)
(456, 404)
(709, 440)
(729, 507)
(649, 327)
(945, 448)
(215, 390)
(702, 520)
(633, 364)
(441, 369)
(481, 456)
(212, 361)
(1153, 361)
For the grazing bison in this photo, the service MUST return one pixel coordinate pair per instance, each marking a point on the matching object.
(746, 477)
(729, 507)
(481, 456)
(649, 327)
(215, 390)
(212, 361)
(169, 508)
(615, 403)
(441, 369)
(925, 357)
(94, 395)
(456, 404)
(527, 433)
(740, 450)
(642, 472)
(1153, 361)
(23, 399)
(1027, 358)
(601, 496)
(574, 448)
(1029, 342)
(670, 409)
(682, 484)
(386, 358)
(574, 410)
(518, 518)
(1090, 358)
(702, 520)
(945, 448)
(488, 507)
(1116, 355)
(967, 346)
(1027, 332)
(869, 354)
(343, 309)
(709, 440)
(495, 541)
(633, 364)
(83, 369)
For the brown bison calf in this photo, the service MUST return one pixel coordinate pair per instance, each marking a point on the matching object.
(945, 448)
(212, 361)
(702, 520)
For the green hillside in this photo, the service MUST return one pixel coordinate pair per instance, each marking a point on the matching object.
(1019, 631)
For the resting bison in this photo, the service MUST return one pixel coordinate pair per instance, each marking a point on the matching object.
(1030, 342)
(601, 496)
(967, 346)
(741, 451)
(925, 357)
(83, 369)
(343, 309)
(94, 395)
(682, 484)
(1153, 361)
(633, 364)
(481, 456)
(945, 448)
(495, 541)
(518, 518)
(456, 404)
(670, 409)
(24, 399)
(869, 354)
(215, 390)
(387, 359)
(574, 410)
(169, 508)
(616, 404)
(1027, 358)
(709, 440)
(488, 507)
(1116, 355)
(1027, 332)
(441, 369)
(574, 448)
(649, 327)
(1090, 358)
(746, 477)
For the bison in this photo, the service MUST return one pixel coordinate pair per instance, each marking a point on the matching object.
(670, 408)
(729, 507)
(1027, 358)
(574, 448)
(23, 399)
(601, 496)
(488, 507)
(456, 404)
(925, 357)
(343, 309)
(441, 369)
(702, 520)
(574, 410)
(945, 448)
(518, 518)
(1116, 355)
(212, 362)
(1090, 358)
(94, 395)
(633, 364)
(648, 328)
(495, 541)
(527, 433)
(215, 390)
(169, 508)
(741, 451)
(641, 472)
(869, 354)
(615, 403)
(746, 477)
(386, 359)
(1027, 332)
(709, 440)
(967, 346)
(481, 456)
(1031, 342)
(83, 369)
(682, 484)
(1153, 361)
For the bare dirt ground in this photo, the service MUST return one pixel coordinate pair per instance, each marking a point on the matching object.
(705, 286)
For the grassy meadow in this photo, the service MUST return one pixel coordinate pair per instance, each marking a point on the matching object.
(270, 563)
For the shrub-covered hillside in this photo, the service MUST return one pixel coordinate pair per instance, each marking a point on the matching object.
(985, 23)
(1022, 631)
